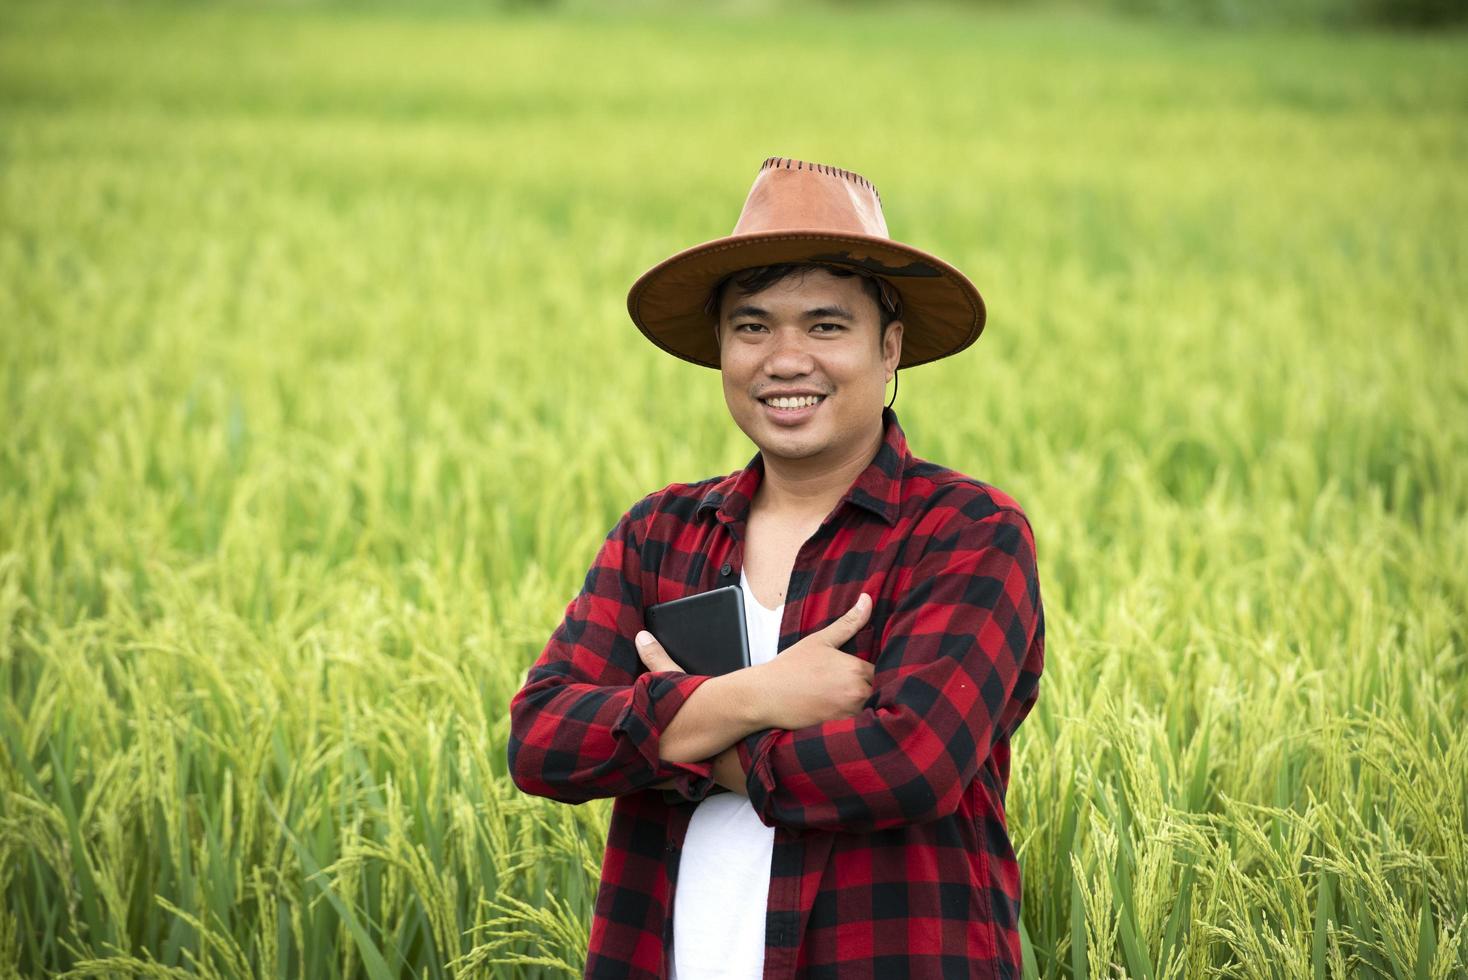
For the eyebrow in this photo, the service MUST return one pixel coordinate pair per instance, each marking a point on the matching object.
(829, 312)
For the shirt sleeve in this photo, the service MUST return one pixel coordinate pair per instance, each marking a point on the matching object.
(589, 717)
(953, 650)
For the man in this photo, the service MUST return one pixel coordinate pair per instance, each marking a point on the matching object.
(836, 810)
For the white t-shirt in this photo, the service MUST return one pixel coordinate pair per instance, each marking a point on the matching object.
(724, 874)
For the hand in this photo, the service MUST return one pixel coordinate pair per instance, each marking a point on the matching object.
(654, 657)
(813, 681)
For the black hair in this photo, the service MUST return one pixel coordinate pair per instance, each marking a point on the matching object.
(752, 280)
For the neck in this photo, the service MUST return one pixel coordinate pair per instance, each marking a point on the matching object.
(810, 487)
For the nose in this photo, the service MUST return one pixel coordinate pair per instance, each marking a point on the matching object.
(788, 356)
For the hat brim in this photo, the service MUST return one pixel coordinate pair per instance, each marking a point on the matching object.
(942, 312)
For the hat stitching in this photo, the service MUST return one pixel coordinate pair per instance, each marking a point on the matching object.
(824, 168)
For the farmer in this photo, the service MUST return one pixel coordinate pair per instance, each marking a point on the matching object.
(837, 808)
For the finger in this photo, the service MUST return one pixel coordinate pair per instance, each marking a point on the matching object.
(654, 657)
(847, 626)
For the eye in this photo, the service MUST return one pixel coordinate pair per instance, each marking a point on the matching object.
(837, 326)
(740, 326)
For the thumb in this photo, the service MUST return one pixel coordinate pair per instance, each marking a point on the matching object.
(847, 626)
(654, 657)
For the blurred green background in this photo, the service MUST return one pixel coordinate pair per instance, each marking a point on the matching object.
(319, 394)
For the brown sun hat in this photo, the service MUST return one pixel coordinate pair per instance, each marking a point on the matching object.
(808, 212)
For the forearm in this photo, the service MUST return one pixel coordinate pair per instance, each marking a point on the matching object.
(719, 713)
(572, 742)
(892, 770)
(729, 772)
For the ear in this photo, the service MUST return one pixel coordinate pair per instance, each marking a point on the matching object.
(892, 347)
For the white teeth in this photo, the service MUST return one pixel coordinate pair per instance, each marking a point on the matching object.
(801, 402)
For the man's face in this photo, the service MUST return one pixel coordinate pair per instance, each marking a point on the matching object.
(812, 333)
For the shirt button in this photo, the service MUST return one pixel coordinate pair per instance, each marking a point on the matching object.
(727, 570)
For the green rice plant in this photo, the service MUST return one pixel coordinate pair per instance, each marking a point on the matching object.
(317, 396)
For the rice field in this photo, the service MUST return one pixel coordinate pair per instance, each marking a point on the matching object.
(319, 394)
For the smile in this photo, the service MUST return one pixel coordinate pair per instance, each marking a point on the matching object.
(800, 401)
(792, 410)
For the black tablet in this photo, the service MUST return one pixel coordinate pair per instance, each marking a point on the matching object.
(703, 633)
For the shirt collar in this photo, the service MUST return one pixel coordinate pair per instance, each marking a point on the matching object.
(878, 488)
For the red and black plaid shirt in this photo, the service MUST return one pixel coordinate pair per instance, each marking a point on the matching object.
(891, 857)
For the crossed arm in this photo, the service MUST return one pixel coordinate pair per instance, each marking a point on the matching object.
(812, 681)
(961, 640)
